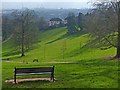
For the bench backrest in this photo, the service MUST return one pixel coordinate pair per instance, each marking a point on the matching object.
(34, 70)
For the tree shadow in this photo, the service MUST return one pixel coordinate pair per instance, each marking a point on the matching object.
(63, 36)
(77, 34)
(68, 36)
(15, 52)
(78, 51)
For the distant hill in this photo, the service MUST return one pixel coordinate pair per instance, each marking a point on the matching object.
(58, 13)
(51, 13)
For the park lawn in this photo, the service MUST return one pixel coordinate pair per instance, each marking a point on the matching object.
(83, 74)
(85, 67)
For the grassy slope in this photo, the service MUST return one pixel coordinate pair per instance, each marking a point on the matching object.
(87, 68)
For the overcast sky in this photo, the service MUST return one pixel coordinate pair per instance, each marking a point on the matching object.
(46, 0)
(54, 4)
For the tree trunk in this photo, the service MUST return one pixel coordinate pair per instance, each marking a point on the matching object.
(118, 45)
(22, 41)
(22, 50)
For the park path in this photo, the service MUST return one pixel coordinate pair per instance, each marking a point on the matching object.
(35, 62)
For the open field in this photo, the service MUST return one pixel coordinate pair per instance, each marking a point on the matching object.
(76, 65)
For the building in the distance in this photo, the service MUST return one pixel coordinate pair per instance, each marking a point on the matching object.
(56, 22)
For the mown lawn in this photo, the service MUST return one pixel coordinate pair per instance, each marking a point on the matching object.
(86, 68)
(83, 74)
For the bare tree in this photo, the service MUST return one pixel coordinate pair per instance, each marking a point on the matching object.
(26, 31)
(103, 24)
(7, 27)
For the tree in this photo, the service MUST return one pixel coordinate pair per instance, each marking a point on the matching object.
(25, 31)
(7, 27)
(118, 43)
(81, 21)
(71, 23)
(42, 24)
(103, 23)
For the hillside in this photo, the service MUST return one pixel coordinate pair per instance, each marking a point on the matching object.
(52, 44)
(75, 64)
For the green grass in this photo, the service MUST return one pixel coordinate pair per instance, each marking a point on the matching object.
(87, 67)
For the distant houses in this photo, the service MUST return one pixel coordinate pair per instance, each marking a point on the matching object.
(57, 22)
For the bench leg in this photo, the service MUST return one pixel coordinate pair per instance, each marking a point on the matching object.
(15, 79)
(15, 75)
(53, 77)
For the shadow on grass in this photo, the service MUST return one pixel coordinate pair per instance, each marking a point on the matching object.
(77, 34)
(63, 36)
(68, 36)
(78, 51)
(34, 82)
(14, 52)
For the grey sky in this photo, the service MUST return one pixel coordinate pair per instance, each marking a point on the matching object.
(16, 4)
(46, 0)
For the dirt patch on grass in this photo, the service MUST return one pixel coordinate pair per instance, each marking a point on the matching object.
(111, 58)
(30, 79)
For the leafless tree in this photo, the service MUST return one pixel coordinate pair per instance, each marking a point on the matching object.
(26, 31)
(104, 24)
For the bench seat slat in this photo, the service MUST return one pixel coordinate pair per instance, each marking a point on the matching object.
(33, 73)
(33, 70)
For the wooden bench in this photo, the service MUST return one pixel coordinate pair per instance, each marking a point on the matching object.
(38, 70)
